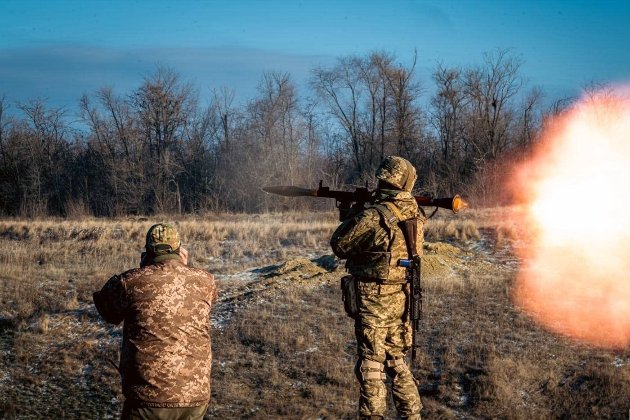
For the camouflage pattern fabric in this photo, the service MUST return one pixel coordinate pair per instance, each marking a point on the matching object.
(387, 347)
(383, 336)
(398, 172)
(162, 234)
(166, 356)
(131, 412)
(373, 246)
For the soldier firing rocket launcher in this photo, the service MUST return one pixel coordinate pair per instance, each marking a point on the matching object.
(350, 202)
(360, 196)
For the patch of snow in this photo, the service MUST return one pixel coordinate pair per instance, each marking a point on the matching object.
(242, 276)
(4, 377)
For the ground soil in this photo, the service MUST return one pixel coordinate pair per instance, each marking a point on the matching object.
(283, 348)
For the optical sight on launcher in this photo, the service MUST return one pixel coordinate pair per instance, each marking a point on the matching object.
(360, 196)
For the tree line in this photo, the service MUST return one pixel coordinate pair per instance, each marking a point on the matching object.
(158, 150)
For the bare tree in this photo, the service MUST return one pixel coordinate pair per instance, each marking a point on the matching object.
(163, 106)
(340, 90)
(226, 112)
(403, 91)
(116, 142)
(447, 118)
(373, 102)
(155, 150)
(44, 148)
(10, 163)
(490, 92)
(530, 118)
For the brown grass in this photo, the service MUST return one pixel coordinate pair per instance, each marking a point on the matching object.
(51, 265)
(286, 356)
(283, 347)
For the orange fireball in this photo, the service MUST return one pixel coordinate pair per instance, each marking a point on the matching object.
(575, 278)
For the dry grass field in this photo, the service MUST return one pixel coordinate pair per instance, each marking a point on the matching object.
(283, 347)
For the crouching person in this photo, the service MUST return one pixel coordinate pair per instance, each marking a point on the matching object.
(165, 308)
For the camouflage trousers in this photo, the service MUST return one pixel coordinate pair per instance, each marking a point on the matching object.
(382, 349)
(133, 412)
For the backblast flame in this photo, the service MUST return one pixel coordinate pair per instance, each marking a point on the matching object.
(575, 279)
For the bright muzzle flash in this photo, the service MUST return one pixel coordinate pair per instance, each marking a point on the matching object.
(575, 278)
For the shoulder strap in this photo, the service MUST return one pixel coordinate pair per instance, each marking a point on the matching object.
(392, 207)
(394, 218)
(391, 216)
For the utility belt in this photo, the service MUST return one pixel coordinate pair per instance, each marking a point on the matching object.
(371, 285)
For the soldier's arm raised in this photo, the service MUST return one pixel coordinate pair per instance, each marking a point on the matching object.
(355, 234)
(111, 301)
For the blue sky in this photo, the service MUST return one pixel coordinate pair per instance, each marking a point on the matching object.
(58, 50)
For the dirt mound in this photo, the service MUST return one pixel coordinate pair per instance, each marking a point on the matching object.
(299, 267)
(439, 259)
(441, 248)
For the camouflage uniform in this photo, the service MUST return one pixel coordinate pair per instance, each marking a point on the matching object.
(372, 243)
(166, 357)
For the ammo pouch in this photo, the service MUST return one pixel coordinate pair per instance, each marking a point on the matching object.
(350, 296)
(373, 265)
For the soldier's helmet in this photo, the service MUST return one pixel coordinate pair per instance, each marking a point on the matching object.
(162, 238)
(397, 172)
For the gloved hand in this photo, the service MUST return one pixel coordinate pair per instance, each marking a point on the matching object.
(347, 210)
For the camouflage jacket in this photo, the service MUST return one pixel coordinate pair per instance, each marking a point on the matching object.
(371, 244)
(372, 247)
(165, 358)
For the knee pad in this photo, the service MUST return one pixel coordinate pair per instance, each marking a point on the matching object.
(366, 370)
(396, 366)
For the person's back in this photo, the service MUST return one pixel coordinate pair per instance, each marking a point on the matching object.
(373, 243)
(166, 356)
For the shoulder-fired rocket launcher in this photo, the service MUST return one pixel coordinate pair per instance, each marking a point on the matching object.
(357, 200)
(360, 196)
